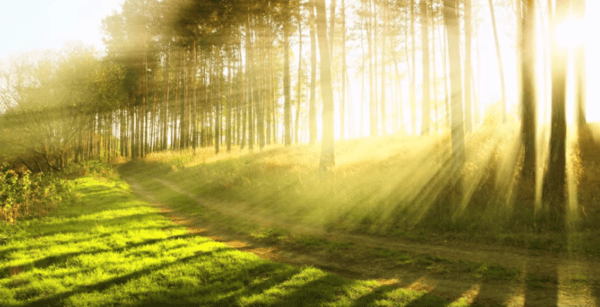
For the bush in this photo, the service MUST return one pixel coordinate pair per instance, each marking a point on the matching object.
(23, 194)
(93, 167)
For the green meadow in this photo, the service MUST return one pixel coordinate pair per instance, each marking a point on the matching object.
(110, 248)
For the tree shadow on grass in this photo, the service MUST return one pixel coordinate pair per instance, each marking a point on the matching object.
(57, 300)
(223, 288)
(62, 259)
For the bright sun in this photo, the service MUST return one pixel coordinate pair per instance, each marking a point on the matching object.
(571, 33)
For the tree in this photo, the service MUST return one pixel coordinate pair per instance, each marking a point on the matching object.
(327, 147)
(451, 20)
(499, 57)
(554, 182)
(299, 92)
(580, 71)
(287, 121)
(60, 108)
(312, 108)
(526, 18)
(425, 124)
(468, 69)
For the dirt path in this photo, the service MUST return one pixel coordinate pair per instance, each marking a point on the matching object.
(553, 280)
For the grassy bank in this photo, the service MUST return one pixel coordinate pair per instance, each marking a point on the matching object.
(111, 249)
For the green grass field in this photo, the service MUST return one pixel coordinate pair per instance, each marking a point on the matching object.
(111, 249)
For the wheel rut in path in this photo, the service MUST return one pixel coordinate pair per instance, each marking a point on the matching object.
(556, 273)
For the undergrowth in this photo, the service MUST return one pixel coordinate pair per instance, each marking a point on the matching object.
(27, 195)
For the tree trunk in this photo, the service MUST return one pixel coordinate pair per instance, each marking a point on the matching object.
(468, 69)
(327, 146)
(217, 100)
(451, 19)
(372, 72)
(580, 70)
(527, 86)
(299, 92)
(344, 70)
(194, 101)
(500, 65)
(435, 74)
(230, 99)
(413, 86)
(382, 100)
(165, 107)
(425, 123)
(287, 121)
(251, 89)
(312, 111)
(554, 182)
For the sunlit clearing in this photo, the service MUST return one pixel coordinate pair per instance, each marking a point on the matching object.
(571, 33)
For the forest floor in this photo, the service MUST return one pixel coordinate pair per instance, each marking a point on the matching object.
(479, 273)
(544, 279)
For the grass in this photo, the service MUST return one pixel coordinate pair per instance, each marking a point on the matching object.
(387, 186)
(112, 249)
(185, 205)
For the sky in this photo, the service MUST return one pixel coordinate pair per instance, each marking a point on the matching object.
(28, 25)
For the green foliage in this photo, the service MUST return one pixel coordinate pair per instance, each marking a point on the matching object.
(54, 100)
(24, 195)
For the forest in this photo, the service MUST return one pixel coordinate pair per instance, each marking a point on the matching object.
(367, 152)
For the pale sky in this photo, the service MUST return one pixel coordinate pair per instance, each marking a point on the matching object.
(27, 25)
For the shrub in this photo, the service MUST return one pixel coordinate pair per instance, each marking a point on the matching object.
(23, 194)
(93, 167)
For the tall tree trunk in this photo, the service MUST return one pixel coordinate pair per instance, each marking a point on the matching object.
(271, 118)
(132, 120)
(413, 86)
(230, 99)
(580, 70)
(251, 88)
(287, 120)
(217, 100)
(400, 114)
(527, 86)
(143, 116)
(425, 123)
(344, 71)
(382, 100)
(299, 92)
(451, 19)
(447, 90)
(468, 69)
(408, 70)
(182, 102)
(194, 100)
(500, 65)
(259, 93)
(312, 110)
(435, 75)
(165, 107)
(372, 88)
(554, 182)
(331, 26)
(327, 146)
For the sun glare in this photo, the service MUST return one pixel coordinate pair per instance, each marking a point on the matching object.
(571, 33)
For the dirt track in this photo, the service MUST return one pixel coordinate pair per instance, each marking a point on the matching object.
(559, 280)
